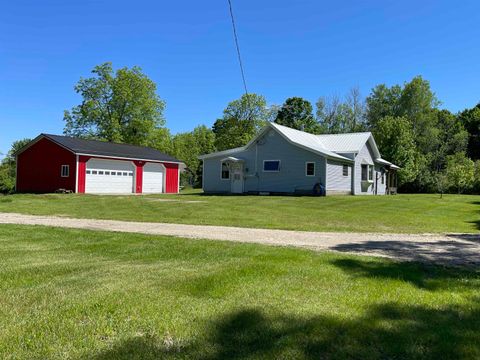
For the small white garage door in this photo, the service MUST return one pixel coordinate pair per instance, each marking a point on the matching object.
(109, 176)
(153, 175)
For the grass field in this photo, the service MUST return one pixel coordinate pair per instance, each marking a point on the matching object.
(84, 294)
(401, 213)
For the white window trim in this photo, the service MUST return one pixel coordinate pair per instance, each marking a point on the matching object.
(68, 171)
(370, 173)
(221, 171)
(273, 171)
(306, 168)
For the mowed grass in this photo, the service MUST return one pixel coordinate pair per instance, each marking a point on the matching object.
(77, 294)
(401, 213)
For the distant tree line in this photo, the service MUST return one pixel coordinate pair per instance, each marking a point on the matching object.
(438, 151)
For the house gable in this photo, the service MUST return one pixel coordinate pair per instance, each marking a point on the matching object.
(269, 146)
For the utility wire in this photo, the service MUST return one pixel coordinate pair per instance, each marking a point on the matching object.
(238, 48)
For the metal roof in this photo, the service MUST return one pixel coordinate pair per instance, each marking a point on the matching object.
(110, 149)
(307, 140)
(351, 142)
(329, 145)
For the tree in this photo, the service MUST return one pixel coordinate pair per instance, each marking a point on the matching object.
(297, 113)
(337, 116)
(8, 167)
(449, 138)
(460, 172)
(383, 101)
(242, 118)
(188, 146)
(119, 106)
(395, 138)
(470, 118)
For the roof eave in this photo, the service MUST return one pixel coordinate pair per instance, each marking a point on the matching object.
(128, 158)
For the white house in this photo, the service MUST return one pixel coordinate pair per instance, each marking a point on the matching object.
(284, 160)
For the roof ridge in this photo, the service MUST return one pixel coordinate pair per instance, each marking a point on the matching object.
(100, 141)
(349, 133)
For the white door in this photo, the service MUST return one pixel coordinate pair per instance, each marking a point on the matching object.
(237, 178)
(153, 178)
(109, 176)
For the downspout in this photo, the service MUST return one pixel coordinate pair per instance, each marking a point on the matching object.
(256, 166)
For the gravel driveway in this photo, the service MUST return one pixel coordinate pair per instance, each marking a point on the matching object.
(448, 249)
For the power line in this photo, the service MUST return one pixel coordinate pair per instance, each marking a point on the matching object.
(238, 47)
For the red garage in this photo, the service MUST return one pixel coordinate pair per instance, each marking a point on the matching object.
(53, 162)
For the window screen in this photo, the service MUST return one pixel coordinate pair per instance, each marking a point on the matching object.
(225, 171)
(271, 165)
(364, 172)
(65, 170)
(345, 170)
(310, 171)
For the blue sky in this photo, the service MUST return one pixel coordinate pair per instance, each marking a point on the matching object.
(289, 48)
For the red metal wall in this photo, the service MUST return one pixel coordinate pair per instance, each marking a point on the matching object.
(82, 173)
(39, 168)
(171, 181)
(139, 176)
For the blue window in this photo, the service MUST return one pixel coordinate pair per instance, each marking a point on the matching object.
(271, 165)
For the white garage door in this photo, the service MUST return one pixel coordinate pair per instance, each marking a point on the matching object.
(109, 176)
(153, 178)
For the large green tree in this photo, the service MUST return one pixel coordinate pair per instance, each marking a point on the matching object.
(395, 138)
(242, 118)
(8, 167)
(118, 106)
(470, 118)
(297, 113)
(436, 133)
(188, 146)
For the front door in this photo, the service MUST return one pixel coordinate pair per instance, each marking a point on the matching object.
(237, 178)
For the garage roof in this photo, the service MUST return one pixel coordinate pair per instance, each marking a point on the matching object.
(110, 149)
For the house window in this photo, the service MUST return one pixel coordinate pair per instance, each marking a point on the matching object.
(94, 172)
(310, 169)
(65, 171)
(271, 165)
(364, 172)
(113, 173)
(100, 172)
(367, 172)
(88, 171)
(225, 171)
(345, 170)
(107, 172)
(383, 179)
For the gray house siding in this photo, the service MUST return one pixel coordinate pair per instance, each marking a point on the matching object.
(271, 146)
(365, 155)
(368, 188)
(337, 183)
(212, 181)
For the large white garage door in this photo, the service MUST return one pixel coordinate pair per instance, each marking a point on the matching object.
(109, 176)
(153, 178)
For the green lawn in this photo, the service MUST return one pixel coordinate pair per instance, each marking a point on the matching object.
(401, 213)
(84, 294)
